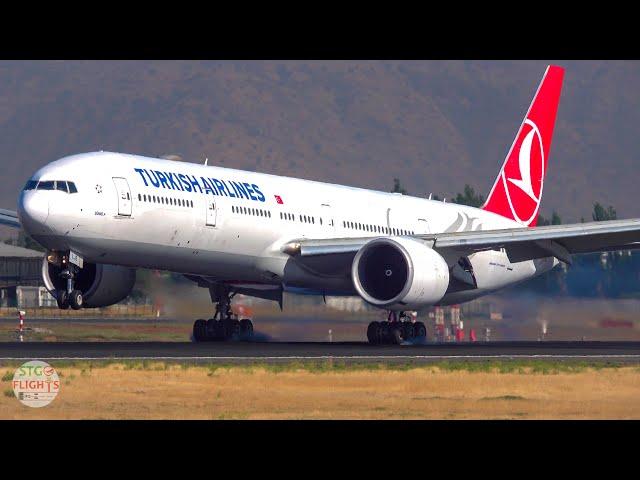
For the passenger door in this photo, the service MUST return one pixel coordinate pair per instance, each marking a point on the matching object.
(212, 212)
(124, 196)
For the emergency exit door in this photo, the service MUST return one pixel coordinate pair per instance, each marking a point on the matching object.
(422, 226)
(124, 196)
(211, 213)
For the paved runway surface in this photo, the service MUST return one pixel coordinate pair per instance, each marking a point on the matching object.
(246, 351)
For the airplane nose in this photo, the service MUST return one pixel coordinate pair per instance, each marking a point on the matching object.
(33, 211)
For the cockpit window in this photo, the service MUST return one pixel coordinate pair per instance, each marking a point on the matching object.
(31, 185)
(61, 185)
(48, 185)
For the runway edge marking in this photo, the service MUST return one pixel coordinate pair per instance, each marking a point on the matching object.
(338, 357)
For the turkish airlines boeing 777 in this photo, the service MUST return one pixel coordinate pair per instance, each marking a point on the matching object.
(100, 215)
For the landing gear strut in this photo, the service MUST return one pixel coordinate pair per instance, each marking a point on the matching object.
(395, 330)
(224, 325)
(69, 297)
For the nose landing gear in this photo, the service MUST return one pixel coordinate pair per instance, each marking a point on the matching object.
(69, 297)
(225, 324)
(395, 330)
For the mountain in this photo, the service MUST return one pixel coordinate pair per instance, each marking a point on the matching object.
(436, 125)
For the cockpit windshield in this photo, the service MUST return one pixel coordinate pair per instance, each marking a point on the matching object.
(61, 185)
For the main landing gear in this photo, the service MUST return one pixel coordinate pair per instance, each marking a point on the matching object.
(224, 325)
(69, 297)
(396, 330)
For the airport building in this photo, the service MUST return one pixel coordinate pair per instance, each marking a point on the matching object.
(20, 278)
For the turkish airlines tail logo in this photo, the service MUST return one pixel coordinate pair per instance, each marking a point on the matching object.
(517, 192)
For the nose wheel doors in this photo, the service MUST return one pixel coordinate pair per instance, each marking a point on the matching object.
(124, 196)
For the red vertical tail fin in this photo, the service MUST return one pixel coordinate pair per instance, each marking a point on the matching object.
(517, 192)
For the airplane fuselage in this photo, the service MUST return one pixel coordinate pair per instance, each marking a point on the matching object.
(230, 225)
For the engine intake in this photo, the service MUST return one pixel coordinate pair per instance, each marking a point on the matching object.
(101, 285)
(399, 273)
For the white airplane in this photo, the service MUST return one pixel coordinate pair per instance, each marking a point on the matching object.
(101, 215)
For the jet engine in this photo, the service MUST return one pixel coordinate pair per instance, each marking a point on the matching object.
(101, 285)
(399, 274)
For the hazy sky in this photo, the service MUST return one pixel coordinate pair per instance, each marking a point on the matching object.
(435, 125)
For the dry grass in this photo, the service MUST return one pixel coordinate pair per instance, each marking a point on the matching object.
(159, 391)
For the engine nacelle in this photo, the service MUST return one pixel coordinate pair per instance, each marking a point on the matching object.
(399, 274)
(101, 285)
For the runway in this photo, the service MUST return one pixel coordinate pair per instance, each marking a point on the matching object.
(354, 352)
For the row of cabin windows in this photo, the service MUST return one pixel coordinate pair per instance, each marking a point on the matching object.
(301, 218)
(61, 185)
(177, 202)
(251, 211)
(376, 228)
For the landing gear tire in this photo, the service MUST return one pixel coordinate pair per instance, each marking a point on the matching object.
(225, 324)
(408, 331)
(383, 334)
(396, 334)
(62, 298)
(419, 331)
(246, 329)
(228, 328)
(75, 300)
(373, 333)
(200, 331)
(211, 329)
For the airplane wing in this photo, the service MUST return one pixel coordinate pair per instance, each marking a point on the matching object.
(560, 241)
(7, 217)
